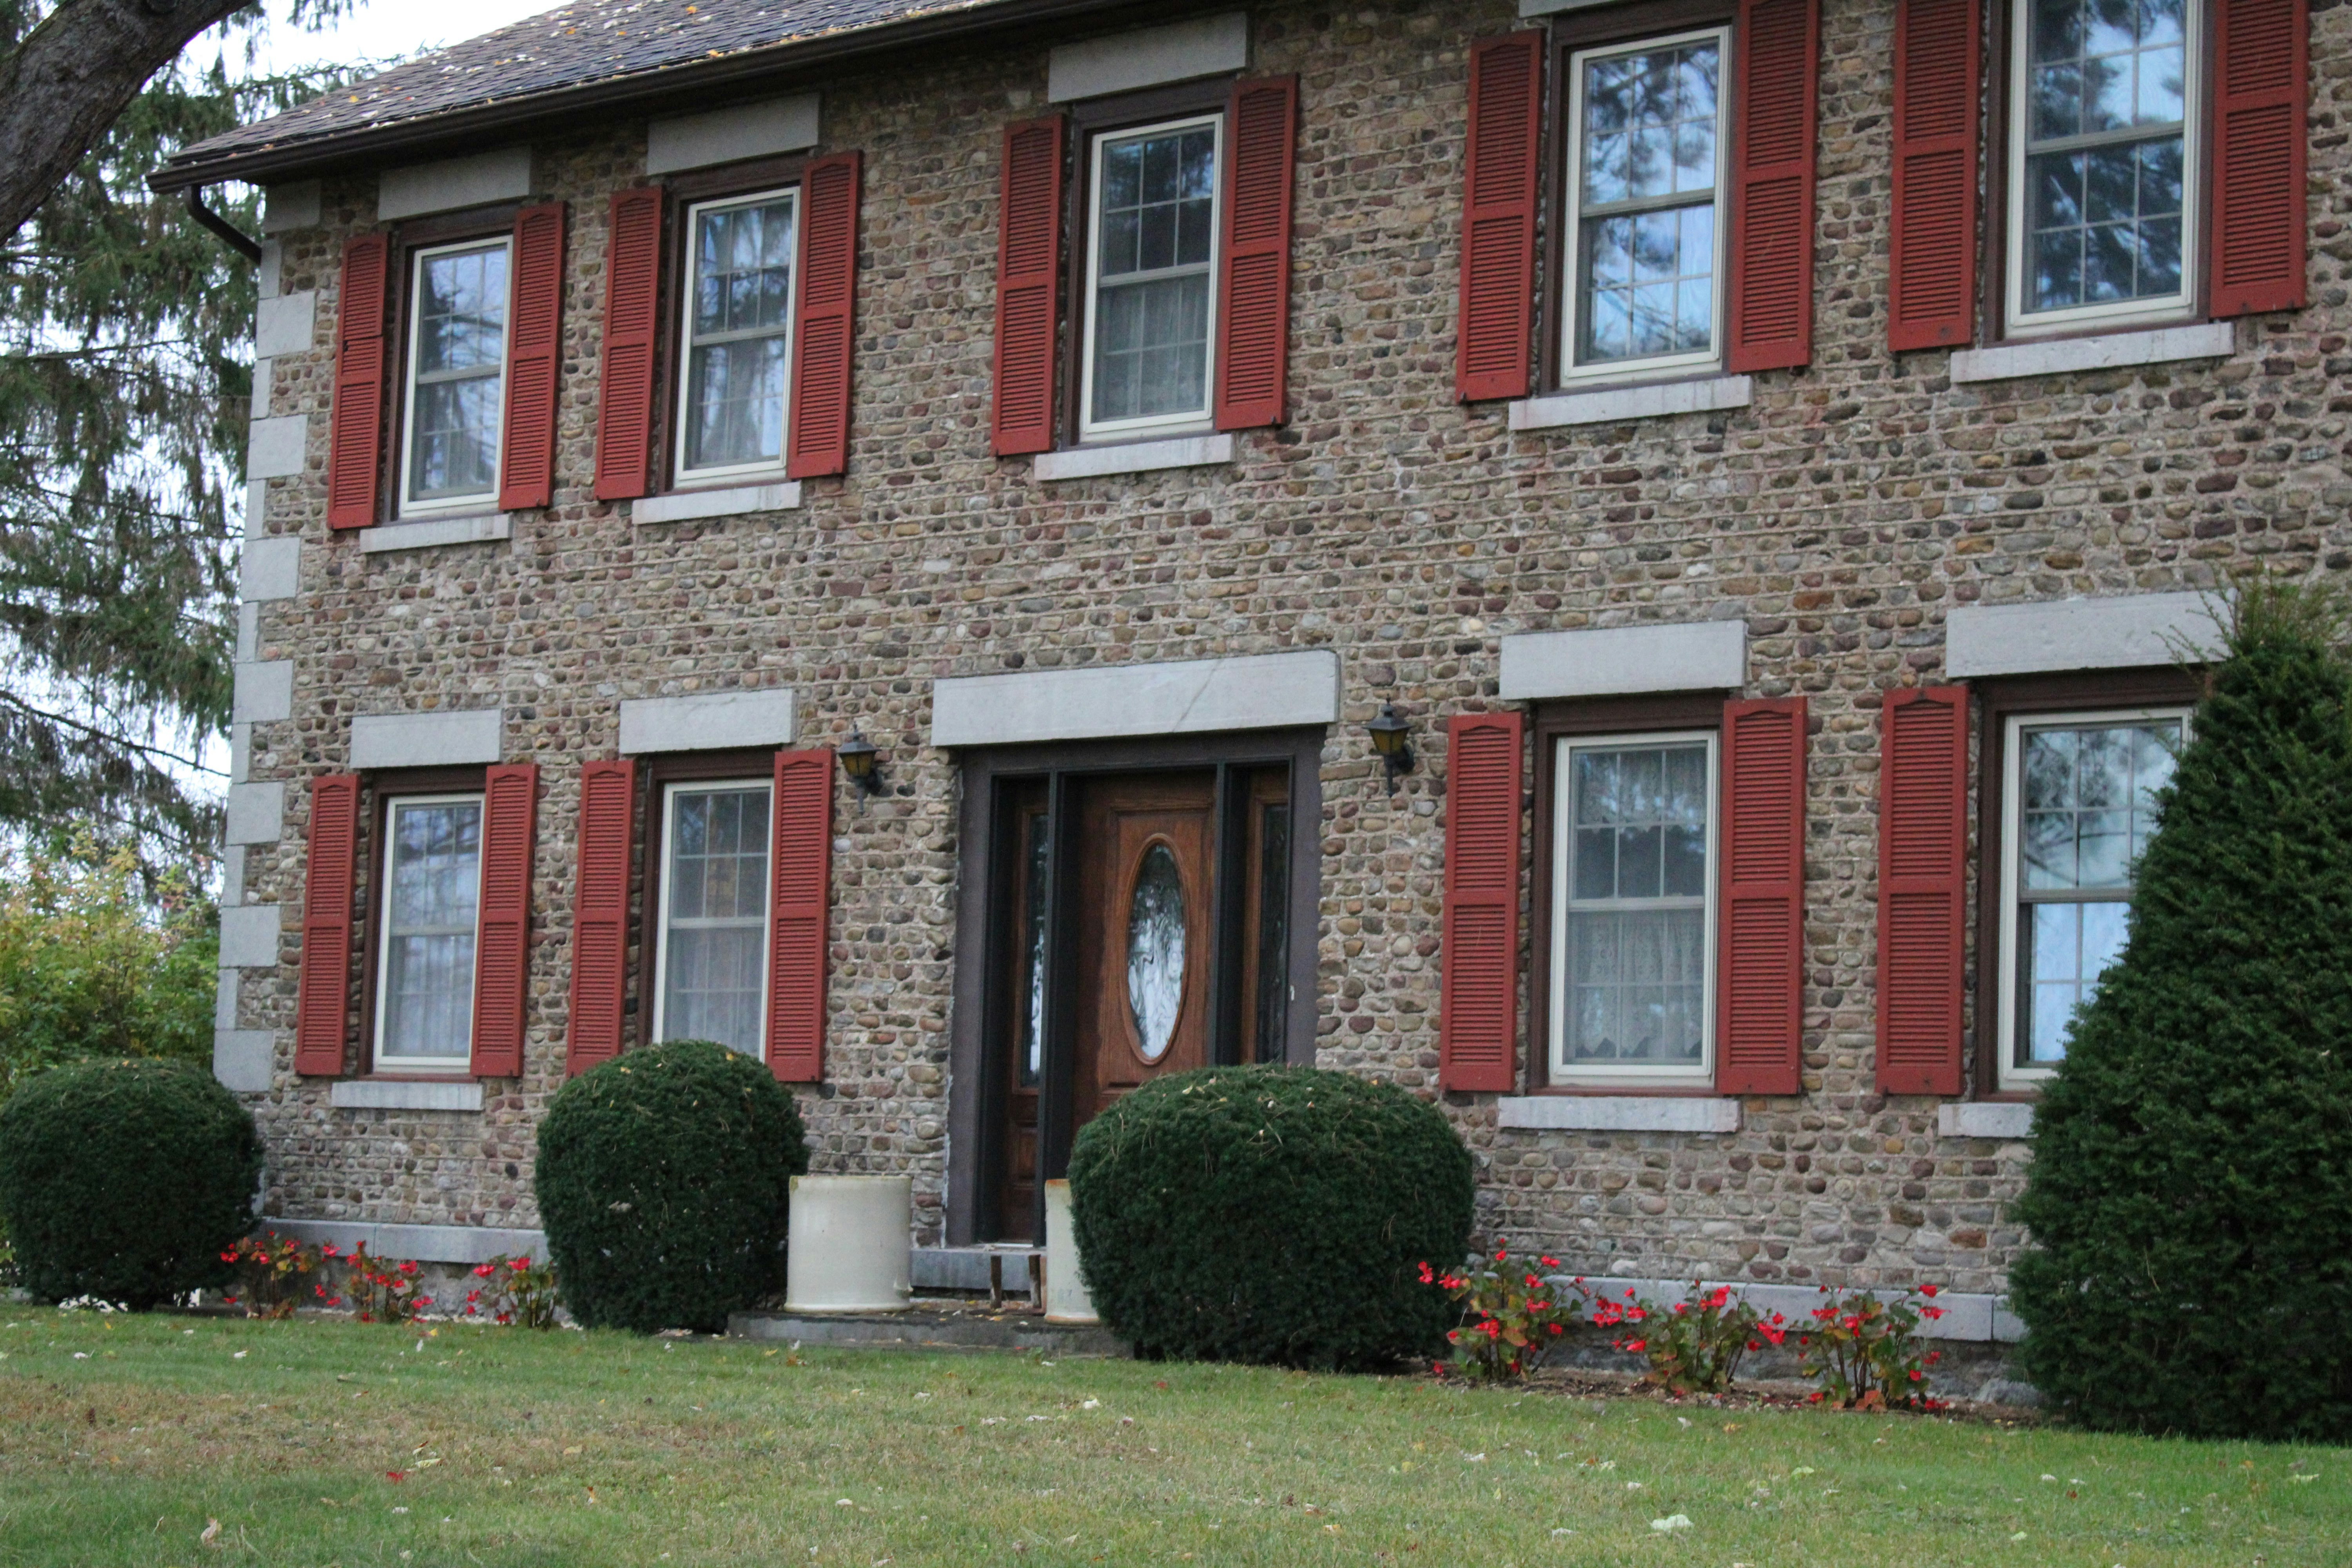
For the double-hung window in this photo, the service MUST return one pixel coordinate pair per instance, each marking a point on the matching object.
(2078, 807)
(430, 913)
(1645, 196)
(457, 357)
(1633, 918)
(1151, 279)
(711, 957)
(736, 369)
(2105, 162)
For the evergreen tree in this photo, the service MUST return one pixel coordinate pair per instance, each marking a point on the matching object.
(2190, 1196)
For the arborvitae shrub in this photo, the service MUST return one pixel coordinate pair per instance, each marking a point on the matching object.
(125, 1180)
(664, 1183)
(2190, 1195)
(1271, 1214)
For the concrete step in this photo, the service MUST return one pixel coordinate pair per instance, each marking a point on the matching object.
(934, 1325)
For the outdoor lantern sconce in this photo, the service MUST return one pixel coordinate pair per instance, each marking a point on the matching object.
(1391, 739)
(862, 761)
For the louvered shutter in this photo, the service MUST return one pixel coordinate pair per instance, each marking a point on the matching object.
(534, 359)
(1762, 922)
(355, 440)
(502, 944)
(600, 913)
(1478, 1013)
(823, 336)
(1253, 314)
(1923, 795)
(624, 394)
(2261, 73)
(1938, 76)
(1778, 46)
(322, 1004)
(1499, 220)
(1028, 275)
(802, 848)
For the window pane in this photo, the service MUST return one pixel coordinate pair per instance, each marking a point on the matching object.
(1649, 284)
(454, 450)
(741, 293)
(1649, 123)
(2090, 801)
(1032, 955)
(735, 397)
(461, 311)
(2068, 948)
(1153, 236)
(716, 916)
(435, 873)
(1637, 976)
(1637, 987)
(1273, 931)
(1151, 347)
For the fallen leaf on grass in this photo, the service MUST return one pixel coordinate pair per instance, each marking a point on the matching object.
(1671, 1524)
(211, 1532)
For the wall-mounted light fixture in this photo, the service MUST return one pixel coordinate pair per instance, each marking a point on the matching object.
(861, 759)
(1391, 738)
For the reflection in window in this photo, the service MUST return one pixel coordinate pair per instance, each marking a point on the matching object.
(1646, 202)
(1273, 931)
(738, 333)
(458, 356)
(1155, 227)
(1155, 951)
(432, 877)
(1031, 1057)
(1636, 922)
(715, 916)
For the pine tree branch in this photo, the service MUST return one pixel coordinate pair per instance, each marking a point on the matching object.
(42, 715)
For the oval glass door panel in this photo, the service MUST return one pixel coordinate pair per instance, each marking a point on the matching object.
(1155, 951)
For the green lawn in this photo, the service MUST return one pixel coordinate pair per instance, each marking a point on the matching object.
(122, 1438)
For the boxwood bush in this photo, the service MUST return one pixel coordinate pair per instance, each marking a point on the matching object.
(1271, 1214)
(125, 1180)
(664, 1182)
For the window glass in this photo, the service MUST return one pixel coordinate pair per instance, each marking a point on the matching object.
(1273, 931)
(458, 359)
(2107, 160)
(1646, 191)
(1154, 236)
(2085, 810)
(1635, 925)
(433, 873)
(1037, 859)
(715, 915)
(739, 332)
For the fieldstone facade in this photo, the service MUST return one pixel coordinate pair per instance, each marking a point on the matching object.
(1842, 516)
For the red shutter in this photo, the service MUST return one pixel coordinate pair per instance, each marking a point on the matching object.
(502, 946)
(1938, 76)
(1779, 45)
(2260, 80)
(600, 913)
(826, 330)
(1254, 315)
(803, 850)
(534, 359)
(1028, 275)
(323, 1006)
(625, 397)
(1923, 793)
(1761, 971)
(1499, 218)
(1478, 1002)
(355, 447)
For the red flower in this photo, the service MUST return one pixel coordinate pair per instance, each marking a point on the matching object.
(1427, 1276)
(394, 1476)
(1637, 1345)
(1551, 1262)
(1555, 1328)
(1928, 1291)
(1756, 1344)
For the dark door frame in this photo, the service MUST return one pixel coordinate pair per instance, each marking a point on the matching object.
(978, 1013)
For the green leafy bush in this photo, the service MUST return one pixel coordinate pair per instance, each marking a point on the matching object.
(125, 1180)
(1271, 1214)
(2190, 1196)
(664, 1183)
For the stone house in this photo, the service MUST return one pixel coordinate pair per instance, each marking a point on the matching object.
(1624, 566)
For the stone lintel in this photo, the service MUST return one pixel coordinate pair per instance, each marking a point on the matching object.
(1207, 46)
(2051, 636)
(728, 135)
(1614, 661)
(706, 721)
(428, 740)
(501, 174)
(1181, 698)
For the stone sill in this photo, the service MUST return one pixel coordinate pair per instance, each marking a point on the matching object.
(464, 1244)
(1967, 1316)
(1641, 400)
(736, 501)
(403, 1094)
(1619, 1113)
(2110, 351)
(424, 533)
(1986, 1118)
(1133, 458)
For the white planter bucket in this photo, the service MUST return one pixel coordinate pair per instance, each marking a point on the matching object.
(1066, 1301)
(850, 1246)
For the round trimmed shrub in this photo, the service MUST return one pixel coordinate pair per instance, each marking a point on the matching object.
(665, 1184)
(1271, 1214)
(125, 1180)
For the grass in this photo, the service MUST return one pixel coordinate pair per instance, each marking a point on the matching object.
(122, 1438)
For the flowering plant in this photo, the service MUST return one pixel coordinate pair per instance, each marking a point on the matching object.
(1695, 1346)
(383, 1289)
(514, 1290)
(1864, 1351)
(1511, 1315)
(270, 1269)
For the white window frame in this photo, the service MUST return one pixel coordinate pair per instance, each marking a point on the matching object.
(474, 501)
(1572, 232)
(2017, 322)
(383, 1063)
(2007, 1075)
(1609, 1074)
(671, 790)
(686, 476)
(1153, 425)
